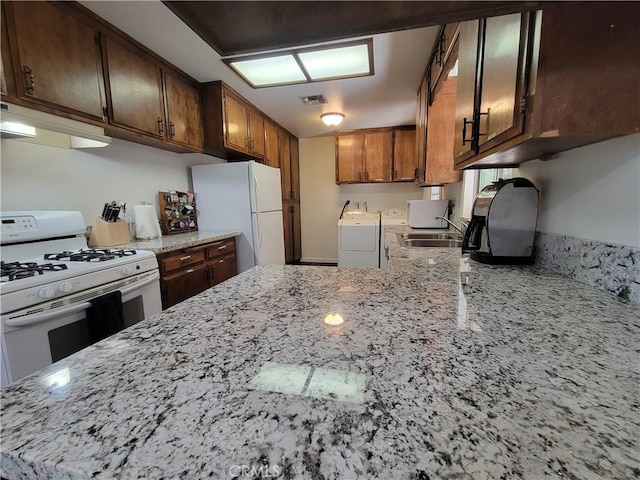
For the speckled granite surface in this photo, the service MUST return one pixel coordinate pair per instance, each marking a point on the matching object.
(443, 368)
(166, 243)
(615, 268)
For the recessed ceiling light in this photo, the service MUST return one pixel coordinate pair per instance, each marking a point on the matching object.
(306, 65)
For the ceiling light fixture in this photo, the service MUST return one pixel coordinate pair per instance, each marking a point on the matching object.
(305, 65)
(332, 119)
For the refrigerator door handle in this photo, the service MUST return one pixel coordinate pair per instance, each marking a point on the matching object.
(256, 187)
(259, 234)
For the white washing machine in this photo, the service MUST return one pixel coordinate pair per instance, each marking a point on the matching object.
(393, 216)
(359, 239)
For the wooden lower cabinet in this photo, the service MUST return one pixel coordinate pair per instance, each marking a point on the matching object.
(189, 271)
(221, 261)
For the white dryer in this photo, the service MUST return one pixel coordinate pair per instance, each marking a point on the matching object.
(359, 239)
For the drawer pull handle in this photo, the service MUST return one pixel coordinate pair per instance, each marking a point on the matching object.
(184, 259)
(220, 261)
(190, 270)
(223, 247)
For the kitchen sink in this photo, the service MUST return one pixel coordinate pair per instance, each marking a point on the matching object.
(428, 236)
(429, 240)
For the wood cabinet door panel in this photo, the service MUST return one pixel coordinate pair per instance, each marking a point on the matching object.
(183, 112)
(221, 269)
(464, 147)
(7, 81)
(294, 157)
(285, 165)
(256, 133)
(349, 158)
(440, 136)
(287, 223)
(58, 58)
(296, 227)
(378, 155)
(271, 148)
(502, 80)
(135, 90)
(421, 129)
(404, 157)
(236, 133)
(184, 284)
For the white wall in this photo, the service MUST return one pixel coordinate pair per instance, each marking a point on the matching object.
(36, 177)
(322, 200)
(591, 192)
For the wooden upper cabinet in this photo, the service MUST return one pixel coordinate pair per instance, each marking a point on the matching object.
(7, 82)
(421, 129)
(256, 133)
(244, 127)
(349, 157)
(405, 161)
(56, 58)
(236, 131)
(440, 136)
(442, 50)
(464, 144)
(271, 147)
(378, 152)
(549, 81)
(184, 123)
(134, 89)
(503, 79)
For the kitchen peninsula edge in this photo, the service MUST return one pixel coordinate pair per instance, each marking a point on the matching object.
(442, 368)
(169, 243)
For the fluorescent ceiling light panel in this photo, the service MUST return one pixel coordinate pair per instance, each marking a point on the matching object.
(270, 70)
(305, 65)
(336, 62)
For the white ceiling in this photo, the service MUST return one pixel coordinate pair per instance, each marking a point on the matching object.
(388, 98)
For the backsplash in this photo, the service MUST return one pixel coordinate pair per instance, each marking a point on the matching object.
(608, 266)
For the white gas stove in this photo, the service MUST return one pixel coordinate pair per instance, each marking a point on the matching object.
(50, 279)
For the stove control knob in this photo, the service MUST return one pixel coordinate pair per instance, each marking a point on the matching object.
(65, 287)
(46, 292)
(126, 270)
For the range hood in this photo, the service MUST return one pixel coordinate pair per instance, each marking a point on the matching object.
(33, 126)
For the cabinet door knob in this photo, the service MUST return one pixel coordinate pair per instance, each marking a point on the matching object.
(172, 129)
(160, 126)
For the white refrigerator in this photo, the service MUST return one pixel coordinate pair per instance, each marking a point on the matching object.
(244, 197)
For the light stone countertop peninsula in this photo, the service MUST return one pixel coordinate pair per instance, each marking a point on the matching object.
(443, 368)
(167, 243)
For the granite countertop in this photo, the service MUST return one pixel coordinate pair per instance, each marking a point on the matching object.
(443, 368)
(167, 243)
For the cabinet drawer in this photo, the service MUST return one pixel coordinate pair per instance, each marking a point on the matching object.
(221, 269)
(181, 260)
(223, 247)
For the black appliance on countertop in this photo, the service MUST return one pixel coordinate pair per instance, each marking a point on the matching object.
(503, 223)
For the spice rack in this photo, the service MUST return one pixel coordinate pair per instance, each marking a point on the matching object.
(177, 212)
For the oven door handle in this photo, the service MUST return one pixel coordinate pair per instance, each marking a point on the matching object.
(41, 317)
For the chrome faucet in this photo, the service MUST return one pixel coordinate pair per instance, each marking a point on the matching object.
(453, 224)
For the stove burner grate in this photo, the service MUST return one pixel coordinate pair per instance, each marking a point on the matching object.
(18, 270)
(90, 255)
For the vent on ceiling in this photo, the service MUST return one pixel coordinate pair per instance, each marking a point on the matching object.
(314, 99)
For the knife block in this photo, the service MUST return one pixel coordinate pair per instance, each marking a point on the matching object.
(108, 234)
